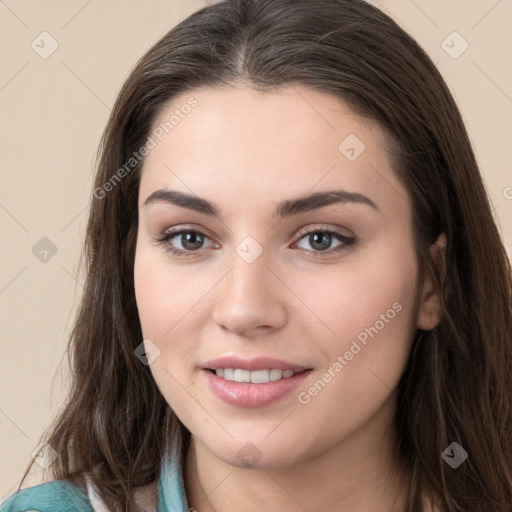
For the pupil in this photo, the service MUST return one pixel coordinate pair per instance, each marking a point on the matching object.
(189, 238)
(324, 236)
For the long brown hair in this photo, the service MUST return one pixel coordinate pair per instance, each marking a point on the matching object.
(456, 386)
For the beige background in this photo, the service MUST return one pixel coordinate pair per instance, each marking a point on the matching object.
(53, 111)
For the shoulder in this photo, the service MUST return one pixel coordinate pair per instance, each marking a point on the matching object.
(55, 496)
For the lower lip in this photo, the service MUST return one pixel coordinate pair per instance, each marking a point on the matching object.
(248, 394)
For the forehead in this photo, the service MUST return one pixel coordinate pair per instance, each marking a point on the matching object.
(238, 142)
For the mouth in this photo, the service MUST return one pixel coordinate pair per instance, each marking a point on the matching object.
(253, 382)
(254, 377)
(256, 370)
(253, 388)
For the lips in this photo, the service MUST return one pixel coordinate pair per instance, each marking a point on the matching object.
(248, 394)
(251, 392)
(259, 363)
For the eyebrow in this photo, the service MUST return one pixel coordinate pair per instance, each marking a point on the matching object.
(286, 208)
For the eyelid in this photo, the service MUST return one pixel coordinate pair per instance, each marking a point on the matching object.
(347, 241)
(169, 233)
(325, 227)
(178, 229)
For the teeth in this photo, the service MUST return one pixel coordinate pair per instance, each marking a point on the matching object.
(242, 376)
(275, 374)
(256, 377)
(260, 376)
(229, 374)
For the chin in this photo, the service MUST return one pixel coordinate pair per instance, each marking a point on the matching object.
(258, 454)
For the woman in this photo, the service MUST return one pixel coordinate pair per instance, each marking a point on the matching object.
(296, 295)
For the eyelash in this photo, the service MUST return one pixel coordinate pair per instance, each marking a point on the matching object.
(347, 242)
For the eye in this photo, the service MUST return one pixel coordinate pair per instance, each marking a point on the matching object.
(321, 238)
(191, 240)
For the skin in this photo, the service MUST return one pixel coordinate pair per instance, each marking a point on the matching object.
(247, 150)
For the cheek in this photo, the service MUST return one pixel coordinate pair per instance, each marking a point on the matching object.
(370, 308)
(166, 294)
(150, 295)
(346, 299)
(165, 300)
(172, 301)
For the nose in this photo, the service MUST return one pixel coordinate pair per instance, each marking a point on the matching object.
(251, 298)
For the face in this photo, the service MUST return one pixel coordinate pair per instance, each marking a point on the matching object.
(273, 276)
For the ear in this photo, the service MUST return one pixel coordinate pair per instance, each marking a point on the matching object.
(430, 304)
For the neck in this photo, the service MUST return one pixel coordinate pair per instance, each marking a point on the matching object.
(359, 474)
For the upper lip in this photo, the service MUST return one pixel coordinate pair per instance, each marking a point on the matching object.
(257, 363)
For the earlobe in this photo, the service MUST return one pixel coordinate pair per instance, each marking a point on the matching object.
(430, 307)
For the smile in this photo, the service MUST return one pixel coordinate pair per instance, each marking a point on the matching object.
(256, 377)
(254, 388)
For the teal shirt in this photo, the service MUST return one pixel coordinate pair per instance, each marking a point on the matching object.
(62, 496)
